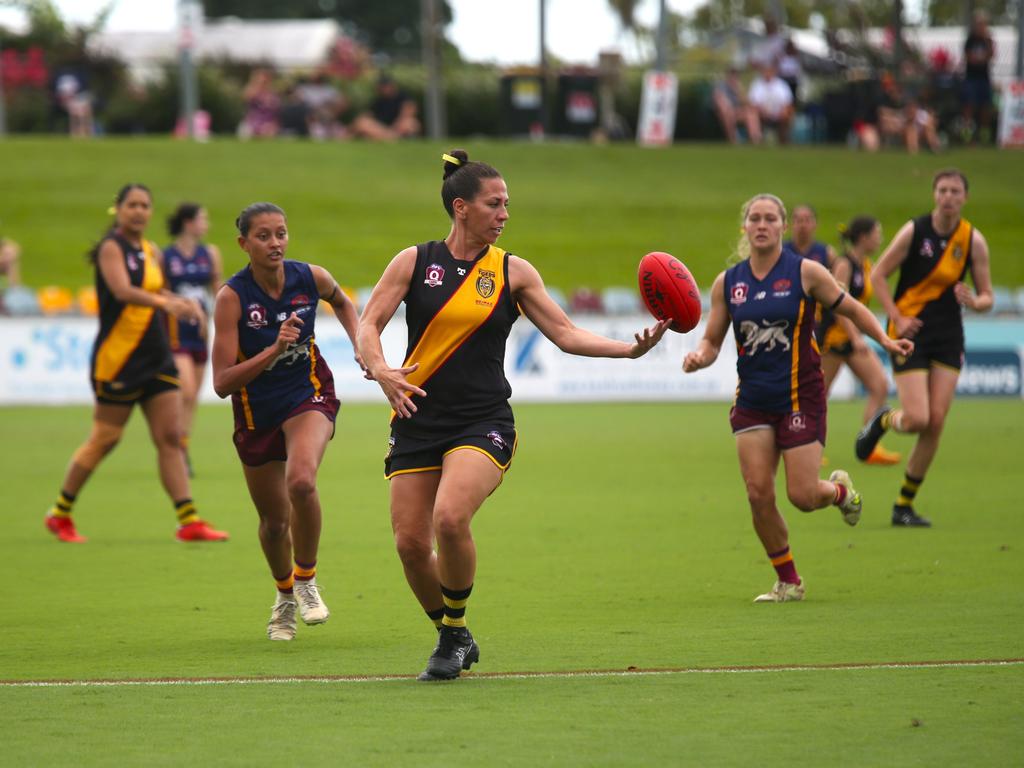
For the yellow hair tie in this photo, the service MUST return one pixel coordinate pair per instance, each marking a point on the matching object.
(449, 159)
(842, 229)
(112, 210)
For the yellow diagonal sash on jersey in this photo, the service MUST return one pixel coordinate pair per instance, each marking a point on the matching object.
(131, 324)
(468, 309)
(947, 272)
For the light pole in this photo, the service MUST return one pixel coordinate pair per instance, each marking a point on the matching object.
(188, 18)
(431, 24)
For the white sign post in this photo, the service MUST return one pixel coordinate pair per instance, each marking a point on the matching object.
(658, 109)
(1011, 115)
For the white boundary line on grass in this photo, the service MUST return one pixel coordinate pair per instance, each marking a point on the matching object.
(186, 681)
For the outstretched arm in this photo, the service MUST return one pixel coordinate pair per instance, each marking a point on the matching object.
(823, 288)
(529, 292)
(714, 333)
(328, 289)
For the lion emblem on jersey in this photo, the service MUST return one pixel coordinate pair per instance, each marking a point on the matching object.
(756, 336)
(485, 284)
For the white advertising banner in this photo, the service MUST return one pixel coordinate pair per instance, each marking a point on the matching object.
(1011, 115)
(46, 361)
(658, 100)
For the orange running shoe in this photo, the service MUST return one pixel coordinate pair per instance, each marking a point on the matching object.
(199, 531)
(64, 529)
(883, 457)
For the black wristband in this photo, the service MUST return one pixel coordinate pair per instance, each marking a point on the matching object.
(837, 302)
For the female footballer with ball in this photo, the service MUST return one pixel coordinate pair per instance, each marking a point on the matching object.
(933, 254)
(769, 298)
(452, 433)
(265, 356)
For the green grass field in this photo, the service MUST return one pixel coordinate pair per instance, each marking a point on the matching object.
(621, 539)
(583, 215)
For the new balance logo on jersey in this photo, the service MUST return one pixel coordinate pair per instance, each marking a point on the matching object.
(768, 336)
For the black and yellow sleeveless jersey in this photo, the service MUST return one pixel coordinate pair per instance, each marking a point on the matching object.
(831, 333)
(459, 315)
(935, 263)
(132, 346)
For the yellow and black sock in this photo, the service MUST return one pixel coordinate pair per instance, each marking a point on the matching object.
(284, 586)
(186, 511)
(455, 605)
(304, 572)
(436, 615)
(62, 508)
(908, 490)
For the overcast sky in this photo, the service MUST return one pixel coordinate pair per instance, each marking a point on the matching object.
(505, 31)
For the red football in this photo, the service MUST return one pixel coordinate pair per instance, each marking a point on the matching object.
(669, 291)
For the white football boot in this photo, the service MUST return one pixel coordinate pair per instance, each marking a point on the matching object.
(282, 618)
(311, 605)
(782, 592)
(851, 504)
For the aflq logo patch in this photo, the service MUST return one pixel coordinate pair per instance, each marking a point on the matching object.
(435, 275)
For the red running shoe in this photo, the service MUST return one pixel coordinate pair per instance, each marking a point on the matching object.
(199, 531)
(64, 529)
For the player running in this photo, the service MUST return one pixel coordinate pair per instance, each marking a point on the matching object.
(769, 298)
(933, 253)
(265, 356)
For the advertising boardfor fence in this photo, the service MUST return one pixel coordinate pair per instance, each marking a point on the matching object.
(46, 361)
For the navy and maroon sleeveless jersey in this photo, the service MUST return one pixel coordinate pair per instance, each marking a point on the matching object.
(131, 346)
(817, 252)
(299, 373)
(190, 277)
(778, 362)
(459, 315)
(935, 263)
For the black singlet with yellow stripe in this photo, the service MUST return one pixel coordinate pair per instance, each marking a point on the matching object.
(131, 347)
(935, 263)
(459, 315)
(831, 334)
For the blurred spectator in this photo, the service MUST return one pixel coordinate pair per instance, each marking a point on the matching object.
(294, 116)
(73, 100)
(10, 263)
(262, 106)
(730, 103)
(392, 115)
(790, 69)
(770, 49)
(325, 103)
(771, 105)
(903, 115)
(979, 50)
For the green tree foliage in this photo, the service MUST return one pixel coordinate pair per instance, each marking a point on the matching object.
(952, 13)
(392, 26)
(716, 14)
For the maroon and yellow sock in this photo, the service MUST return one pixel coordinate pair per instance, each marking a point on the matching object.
(436, 616)
(840, 495)
(284, 586)
(784, 566)
(304, 572)
(62, 507)
(908, 490)
(186, 511)
(455, 605)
